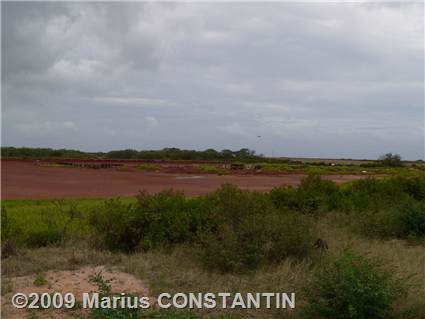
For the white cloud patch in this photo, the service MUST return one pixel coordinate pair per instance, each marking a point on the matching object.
(151, 121)
(132, 101)
(236, 129)
(45, 128)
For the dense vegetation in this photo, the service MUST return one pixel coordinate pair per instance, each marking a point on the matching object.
(228, 218)
(234, 232)
(166, 153)
(243, 155)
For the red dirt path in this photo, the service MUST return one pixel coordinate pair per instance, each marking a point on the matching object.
(25, 180)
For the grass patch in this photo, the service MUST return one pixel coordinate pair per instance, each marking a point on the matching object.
(211, 169)
(150, 167)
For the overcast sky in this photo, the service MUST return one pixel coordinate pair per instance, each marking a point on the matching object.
(285, 79)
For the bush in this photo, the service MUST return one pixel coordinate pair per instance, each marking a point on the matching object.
(412, 219)
(351, 286)
(113, 226)
(405, 220)
(390, 159)
(313, 195)
(390, 207)
(234, 237)
(290, 235)
(284, 197)
(414, 187)
(160, 220)
(245, 231)
(166, 219)
(43, 237)
(372, 194)
(9, 235)
(104, 290)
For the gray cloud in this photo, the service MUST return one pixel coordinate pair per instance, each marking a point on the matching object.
(332, 80)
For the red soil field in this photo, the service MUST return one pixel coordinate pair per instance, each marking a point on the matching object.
(26, 180)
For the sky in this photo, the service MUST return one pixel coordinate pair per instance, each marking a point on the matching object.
(333, 80)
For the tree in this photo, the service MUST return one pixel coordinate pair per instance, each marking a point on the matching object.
(390, 159)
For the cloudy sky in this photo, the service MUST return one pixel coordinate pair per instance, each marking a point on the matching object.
(314, 80)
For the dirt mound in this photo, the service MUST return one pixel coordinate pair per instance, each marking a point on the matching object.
(68, 281)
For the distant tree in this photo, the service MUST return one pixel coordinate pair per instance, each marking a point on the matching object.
(390, 159)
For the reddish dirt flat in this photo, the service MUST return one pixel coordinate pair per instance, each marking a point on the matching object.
(25, 180)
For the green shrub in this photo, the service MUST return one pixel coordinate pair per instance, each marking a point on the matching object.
(406, 220)
(412, 219)
(166, 219)
(414, 187)
(104, 290)
(313, 195)
(284, 197)
(245, 231)
(390, 159)
(113, 228)
(40, 280)
(236, 231)
(159, 220)
(376, 194)
(353, 287)
(9, 235)
(290, 235)
(43, 237)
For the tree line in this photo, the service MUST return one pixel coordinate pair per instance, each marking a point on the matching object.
(165, 153)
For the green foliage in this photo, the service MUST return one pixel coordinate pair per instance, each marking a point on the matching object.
(40, 280)
(103, 285)
(245, 231)
(149, 167)
(104, 290)
(113, 226)
(235, 229)
(412, 219)
(53, 230)
(170, 153)
(351, 287)
(43, 237)
(390, 207)
(211, 169)
(160, 220)
(313, 195)
(166, 218)
(278, 168)
(387, 207)
(390, 159)
(44, 152)
(9, 234)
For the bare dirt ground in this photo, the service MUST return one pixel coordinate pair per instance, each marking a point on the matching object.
(76, 282)
(25, 180)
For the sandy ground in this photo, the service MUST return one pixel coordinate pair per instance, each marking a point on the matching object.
(25, 180)
(75, 282)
